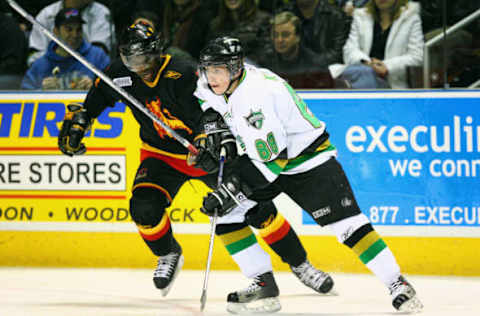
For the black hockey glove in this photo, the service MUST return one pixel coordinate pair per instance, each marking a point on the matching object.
(224, 199)
(218, 135)
(214, 136)
(204, 159)
(74, 127)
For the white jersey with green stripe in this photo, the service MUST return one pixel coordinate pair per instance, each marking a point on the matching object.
(267, 117)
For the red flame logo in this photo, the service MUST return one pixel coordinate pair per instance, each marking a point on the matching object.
(166, 117)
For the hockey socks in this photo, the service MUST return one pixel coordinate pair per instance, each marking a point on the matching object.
(242, 245)
(374, 253)
(158, 238)
(357, 233)
(278, 234)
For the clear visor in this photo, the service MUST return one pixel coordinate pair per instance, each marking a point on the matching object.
(204, 65)
(138, 63)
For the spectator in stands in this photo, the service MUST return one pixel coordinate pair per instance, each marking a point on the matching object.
(122, 11)
(324, 29)
(185, 24)
(243, 20)
(31, 6)
(57, 70)
(153, 20)
(386, 37)
(349, 5)
(274, 6)
(291, 59)
(98, 28)
(13, 55)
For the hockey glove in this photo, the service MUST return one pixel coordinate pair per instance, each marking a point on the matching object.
(204, 159)
(218, 135)
(74, 127)
(224, 199)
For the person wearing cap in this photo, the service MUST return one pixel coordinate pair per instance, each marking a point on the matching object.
(98, 29)
(56, 69)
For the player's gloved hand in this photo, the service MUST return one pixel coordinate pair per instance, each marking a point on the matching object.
(224, 199)
(74, 127)
(218, 135)
(204, 159)
(229, 144)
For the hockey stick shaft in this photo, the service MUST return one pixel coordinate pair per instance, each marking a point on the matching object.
(104, 77)
(203, 299)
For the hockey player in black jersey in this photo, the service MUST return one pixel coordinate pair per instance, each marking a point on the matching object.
(165, 85)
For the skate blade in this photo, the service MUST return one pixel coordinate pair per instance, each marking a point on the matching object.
(411, 306)
(332, 292)
(177, 270)
(263, 306)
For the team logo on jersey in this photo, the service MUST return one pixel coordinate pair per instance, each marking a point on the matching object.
(172, 74)
(123, 81)
(166, 117)
(255, 119)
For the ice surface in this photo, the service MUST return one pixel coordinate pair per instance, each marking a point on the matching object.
(123, 292)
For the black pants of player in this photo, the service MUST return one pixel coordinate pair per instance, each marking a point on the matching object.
(155, 186)
(324, 192)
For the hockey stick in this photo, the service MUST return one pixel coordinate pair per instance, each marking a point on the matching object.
(102, 76)
(203, 299)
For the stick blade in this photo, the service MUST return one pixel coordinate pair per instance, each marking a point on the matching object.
(203, 300)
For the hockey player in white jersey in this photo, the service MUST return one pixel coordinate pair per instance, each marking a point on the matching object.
(287, 149)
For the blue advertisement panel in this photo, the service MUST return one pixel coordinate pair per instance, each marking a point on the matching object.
(412, 159)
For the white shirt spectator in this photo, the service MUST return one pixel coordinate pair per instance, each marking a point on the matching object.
(404, 43)
(98, 27)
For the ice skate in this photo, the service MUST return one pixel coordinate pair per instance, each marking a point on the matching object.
(316, 279)
(404, 297)
(259, 297)
(167, 270)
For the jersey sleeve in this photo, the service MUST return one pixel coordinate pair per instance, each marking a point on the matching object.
(301, 126)
(293, 129)
(184, 89)
(286, 105)
(101, 95)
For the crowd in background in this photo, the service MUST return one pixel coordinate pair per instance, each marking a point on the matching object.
(314, 44)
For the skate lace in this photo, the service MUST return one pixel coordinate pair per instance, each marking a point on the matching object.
(309, 275)
(165, 266)
(397, 286)
(254, 286)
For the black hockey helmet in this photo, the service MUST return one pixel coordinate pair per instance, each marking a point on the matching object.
(139, 45)
(223, 51)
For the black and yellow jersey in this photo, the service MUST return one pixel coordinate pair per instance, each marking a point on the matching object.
(170, 97)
